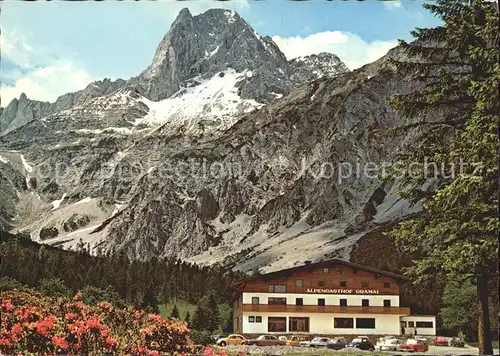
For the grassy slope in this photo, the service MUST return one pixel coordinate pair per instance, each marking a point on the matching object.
(182, 305)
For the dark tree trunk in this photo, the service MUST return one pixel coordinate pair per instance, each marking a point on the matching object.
(484, 333)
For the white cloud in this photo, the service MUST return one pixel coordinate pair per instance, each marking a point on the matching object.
(47, 83)
(351, 49)
(392, 4)
(38, 75)
(15, 49)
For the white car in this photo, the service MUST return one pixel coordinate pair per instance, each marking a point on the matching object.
(388, 344)
(304, 343)
(319, 342)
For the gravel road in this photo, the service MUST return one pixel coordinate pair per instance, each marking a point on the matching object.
(288, 350)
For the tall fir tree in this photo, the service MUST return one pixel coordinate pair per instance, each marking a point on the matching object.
(150, 301)
(213, 307)
(454, 115)
(187, 319)
(199, 320)
(175, 312)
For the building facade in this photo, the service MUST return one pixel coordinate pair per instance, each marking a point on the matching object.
(421, 324)
(332, 297)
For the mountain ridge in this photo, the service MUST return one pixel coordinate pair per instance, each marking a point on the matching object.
(135, 171)
(160, 81)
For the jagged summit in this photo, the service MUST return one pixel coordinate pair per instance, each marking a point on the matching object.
(194, 50)
(205, 44)
(183, 14)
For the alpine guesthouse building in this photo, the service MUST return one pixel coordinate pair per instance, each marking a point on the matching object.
(333, 297)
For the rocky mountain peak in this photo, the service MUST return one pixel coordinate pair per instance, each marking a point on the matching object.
(195, 50)
(183, 15)
(204, 45)
(315, 66)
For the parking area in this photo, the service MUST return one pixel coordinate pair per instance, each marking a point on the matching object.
(290, 350)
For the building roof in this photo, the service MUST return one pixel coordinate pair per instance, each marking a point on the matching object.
(324, 263)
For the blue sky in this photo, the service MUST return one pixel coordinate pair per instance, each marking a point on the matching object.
(50, 48)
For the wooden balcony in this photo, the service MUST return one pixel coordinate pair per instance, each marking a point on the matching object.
(333, 309)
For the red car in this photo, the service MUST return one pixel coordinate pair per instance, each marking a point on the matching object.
(440, 341)
(413, 345)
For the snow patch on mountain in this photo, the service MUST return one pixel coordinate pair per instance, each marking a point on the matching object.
(215, 98)
(26, 165)
(57, 203)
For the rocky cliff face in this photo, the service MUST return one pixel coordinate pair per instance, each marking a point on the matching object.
(221, 151)
(21, 111)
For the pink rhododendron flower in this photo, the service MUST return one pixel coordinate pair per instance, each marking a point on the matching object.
(60, 342)
(5, 342)
(71, 316)
(208, 352)
(17, 329)
(7, 304)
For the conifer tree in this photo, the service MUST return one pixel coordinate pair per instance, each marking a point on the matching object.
(175, 312)
(214, 317)
(454, 115)
(187, 318)
(150, 301)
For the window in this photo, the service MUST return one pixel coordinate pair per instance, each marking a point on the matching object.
(276, 288)
(364, 284)
(298, 324)
(403, 324)
(321, 302)
(321, 283)
(258, 319)
(365, 302)
(411, 324)
(343, 283)
(343, 302)
(276, 324)
(280, 288)
(251, 319)
(343, 323)
(255, 300)
(387, 303)
(299, 301)
(326, 270)
(276, 301)
(387, 285)
(298, 283)
(425, 324)
(365, 323)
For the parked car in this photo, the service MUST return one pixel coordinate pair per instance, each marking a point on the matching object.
(219, 336)
(414, 346)
(383, 338)
(362, 343)
(233, 339)
(337, 343)
(457, 342)
(319, 342)
(388, 344)
(440, 341)
(296, 340)
(266, 340)
(305, 343)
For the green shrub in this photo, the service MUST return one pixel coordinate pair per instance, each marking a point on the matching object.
(54, 287)
(7, 283)
(91, 295)
(201, 337)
